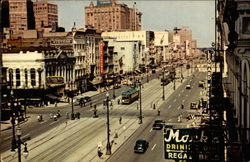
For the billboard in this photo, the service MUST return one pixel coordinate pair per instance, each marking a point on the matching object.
(193, 144)
(104, 2)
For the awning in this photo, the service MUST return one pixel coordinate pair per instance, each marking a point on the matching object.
(51, 96)
(97, 80)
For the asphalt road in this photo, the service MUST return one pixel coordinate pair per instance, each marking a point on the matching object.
(33, 128)
(170, 110)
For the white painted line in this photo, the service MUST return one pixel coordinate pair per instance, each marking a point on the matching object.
(26, 135)
(151, 130)
(7, 138)
(153, 147)
(169, 106)
(174, 100)
(52, 123)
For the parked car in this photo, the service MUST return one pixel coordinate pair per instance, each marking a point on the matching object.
(87, 98)
(201, 83)
(188, 86)
(158, 124)
(141, 146)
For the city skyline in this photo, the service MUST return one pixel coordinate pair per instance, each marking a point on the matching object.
(197, 15)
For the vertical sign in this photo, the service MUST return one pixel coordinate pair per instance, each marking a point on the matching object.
(101, 55)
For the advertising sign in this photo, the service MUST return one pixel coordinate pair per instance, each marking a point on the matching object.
(101, 55)
(193, 145)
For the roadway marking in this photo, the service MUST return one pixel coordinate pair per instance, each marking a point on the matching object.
(151, 130)
(153, 147)
(169, 106)
(174, 100)
(7, 138)
(26, 135)
(52, 123)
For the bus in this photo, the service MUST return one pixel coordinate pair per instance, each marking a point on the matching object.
(130, 96)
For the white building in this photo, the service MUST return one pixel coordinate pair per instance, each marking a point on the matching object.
(25, 70)
(127, 56)
(145, 37)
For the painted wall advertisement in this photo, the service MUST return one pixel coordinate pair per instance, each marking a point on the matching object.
(193, 145)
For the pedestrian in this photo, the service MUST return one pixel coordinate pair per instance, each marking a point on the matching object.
(90, 104)
(94, 106)
(120, 120)
(99, 152)
(55, 104)
(182, 106)
(153, 106)
(159, 112)
(118, 101)
(67, 115)
(137, 104)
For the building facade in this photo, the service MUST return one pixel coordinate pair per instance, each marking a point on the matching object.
(21, 16)
(46, 14)
(233, 44)
(112, 17)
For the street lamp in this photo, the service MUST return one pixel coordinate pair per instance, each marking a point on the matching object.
(108, 147)
(140, 116)
(72, 103)
(19, 143)
(163, 84)
(113, 85)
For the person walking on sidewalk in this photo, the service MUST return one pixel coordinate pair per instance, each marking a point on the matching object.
(120, 120)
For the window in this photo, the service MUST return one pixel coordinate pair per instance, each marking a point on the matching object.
(18, 81)
(26, 77)
(11, 77)
(122, 48)
(33, 76)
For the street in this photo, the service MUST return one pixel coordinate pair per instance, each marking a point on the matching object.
(78, 139)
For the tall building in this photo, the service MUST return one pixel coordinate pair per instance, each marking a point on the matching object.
(46, 14)
(108, 15)
(21, 15)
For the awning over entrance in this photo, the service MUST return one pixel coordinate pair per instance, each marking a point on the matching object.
(97, 80)
(53, 97)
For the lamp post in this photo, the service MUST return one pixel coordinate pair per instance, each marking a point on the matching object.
(147, 76)
(72, 103)
(113, 85)
(108, 147)
(19, 143)
(163, 84)
(140, 116)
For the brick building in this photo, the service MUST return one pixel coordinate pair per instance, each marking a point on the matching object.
(111, 16)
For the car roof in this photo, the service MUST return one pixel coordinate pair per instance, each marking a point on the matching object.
(140, 140)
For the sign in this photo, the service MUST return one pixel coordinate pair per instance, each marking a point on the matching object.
(101, 57)
(193, 144)
(103, 2)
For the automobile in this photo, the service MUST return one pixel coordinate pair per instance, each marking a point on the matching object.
(117, 86)
(82, 100)
(87, 98)
(158, 124)
(188, 86)
(201, 83)
(141, 146)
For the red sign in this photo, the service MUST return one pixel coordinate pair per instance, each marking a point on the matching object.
(101, 55)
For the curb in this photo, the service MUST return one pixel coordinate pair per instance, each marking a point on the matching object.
(9, 127)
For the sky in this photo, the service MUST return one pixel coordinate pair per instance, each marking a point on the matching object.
(161, 15)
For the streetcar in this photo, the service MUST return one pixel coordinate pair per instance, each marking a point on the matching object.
(130, 96)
